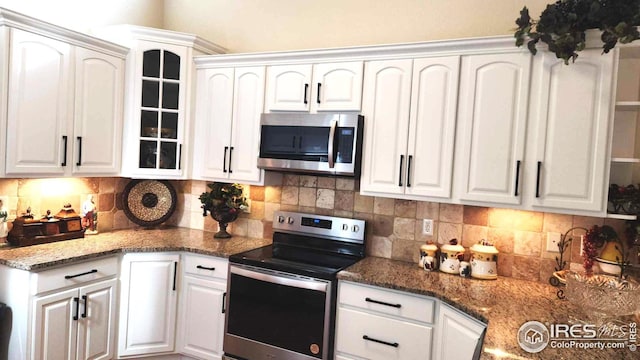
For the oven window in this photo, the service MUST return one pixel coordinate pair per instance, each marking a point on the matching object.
(287, 317)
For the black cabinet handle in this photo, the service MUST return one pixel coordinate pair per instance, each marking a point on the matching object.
(224, 159)
(318, 94)
(230, 153)
(306, 91)
(205, 268)
(79, 138)
(180, 157)
(382, 303)
(81, 274)
(76, 302)
(175, 274)
(224, 298)
(538, 179)
(395, 344)
(84, 312)
(64, 152)
(409, 170)
(400, 172)
(517, 177)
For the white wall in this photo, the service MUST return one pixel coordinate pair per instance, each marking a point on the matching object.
(83, 15)
(265, 25)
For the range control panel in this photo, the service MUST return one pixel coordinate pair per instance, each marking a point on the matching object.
(352, 230)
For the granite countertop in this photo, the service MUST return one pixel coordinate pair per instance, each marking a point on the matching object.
(504, 304)
(41, 257)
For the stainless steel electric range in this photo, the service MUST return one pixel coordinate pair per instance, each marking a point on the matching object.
(282, 297)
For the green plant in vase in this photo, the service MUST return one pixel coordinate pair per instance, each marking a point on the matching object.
(224, 202)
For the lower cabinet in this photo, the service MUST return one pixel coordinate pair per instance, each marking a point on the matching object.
(377, 323)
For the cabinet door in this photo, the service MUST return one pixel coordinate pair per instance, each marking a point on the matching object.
(96, 324)
(434, 98)
(492, 119)
(288, 88)
(248, 101)
(459, 336)
(148, 304)
(337, 86)
(39, 105)
(214, 114)
(385, 106)
(202, 318)
(573, 122)
(98, 113)
(54, 326)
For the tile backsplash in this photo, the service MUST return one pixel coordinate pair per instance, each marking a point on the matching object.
(394, 227)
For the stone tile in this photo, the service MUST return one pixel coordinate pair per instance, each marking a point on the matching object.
(257, 210)
(9, 187)
(211, 225)
(291, 180)
(527, 243)
(344, 200)
(426, 238)
(505, 265)
(196, 221)
(405, 208)
(547, 267)
(105, 221)
(197, 187)
(308, 181)
(405, 250)
(307, 209)
(475, 215)
(307, 196)
(323, 211)
(383, 206)
(448, 231)
(427, 210)
(586, 222)
(343, 213)
(257, 192)
(240, 227)
(255, 229)
(108, 185)
(382, 225)
(473, 234)
(379, 246)
(326, 182)
(106, 202)
(502, 239)
(287, 207)
(404, 228)
(559, 223)
(345, 184)
(362, 203)
(526, 268)
(289, 195)
(325, 198)
(451, 213)
(515, 219)
(120, 221)
(267, 229)
(273, 194)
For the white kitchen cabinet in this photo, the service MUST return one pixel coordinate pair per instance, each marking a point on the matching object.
(491, 128)
(459, 337)
(411, 103)
(54, 327)
(202, 308)
(317, 87)
(572, 114)
(148, 303)
(229, 102)
(64, 108)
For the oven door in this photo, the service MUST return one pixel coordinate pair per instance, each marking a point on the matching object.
(274, 315)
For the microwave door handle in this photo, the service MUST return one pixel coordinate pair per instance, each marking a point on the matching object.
(280, 279)
(332, 135)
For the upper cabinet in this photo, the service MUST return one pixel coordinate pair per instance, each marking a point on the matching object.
(63, 95)
(410, 115)
(318, 87)
(159, 86)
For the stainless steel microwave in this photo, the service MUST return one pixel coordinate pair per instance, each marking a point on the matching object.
(311, 143)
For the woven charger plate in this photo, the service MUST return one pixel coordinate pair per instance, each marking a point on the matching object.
(149, 202)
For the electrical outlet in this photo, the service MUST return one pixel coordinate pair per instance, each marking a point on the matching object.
(553, 238)
(247, 210)
(427, 227)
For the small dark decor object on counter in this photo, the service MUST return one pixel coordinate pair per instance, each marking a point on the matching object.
(27, 230)
(224, 202)
(562, 25)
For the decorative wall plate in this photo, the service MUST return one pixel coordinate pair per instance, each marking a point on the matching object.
(149, 202)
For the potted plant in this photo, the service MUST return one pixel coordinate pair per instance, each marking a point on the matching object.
(224, 202)
(562, 25)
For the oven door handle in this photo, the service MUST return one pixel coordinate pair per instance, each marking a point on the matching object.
(280, 279)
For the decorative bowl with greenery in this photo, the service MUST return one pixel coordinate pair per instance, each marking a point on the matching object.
(562, 25)
(224, 202)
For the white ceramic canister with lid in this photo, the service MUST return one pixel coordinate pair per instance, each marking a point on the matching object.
(484, 261)
(450, 257)
(428, 259)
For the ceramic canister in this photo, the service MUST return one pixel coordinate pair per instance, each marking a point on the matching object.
(484, 261)
(450, 257)
(428, 260)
